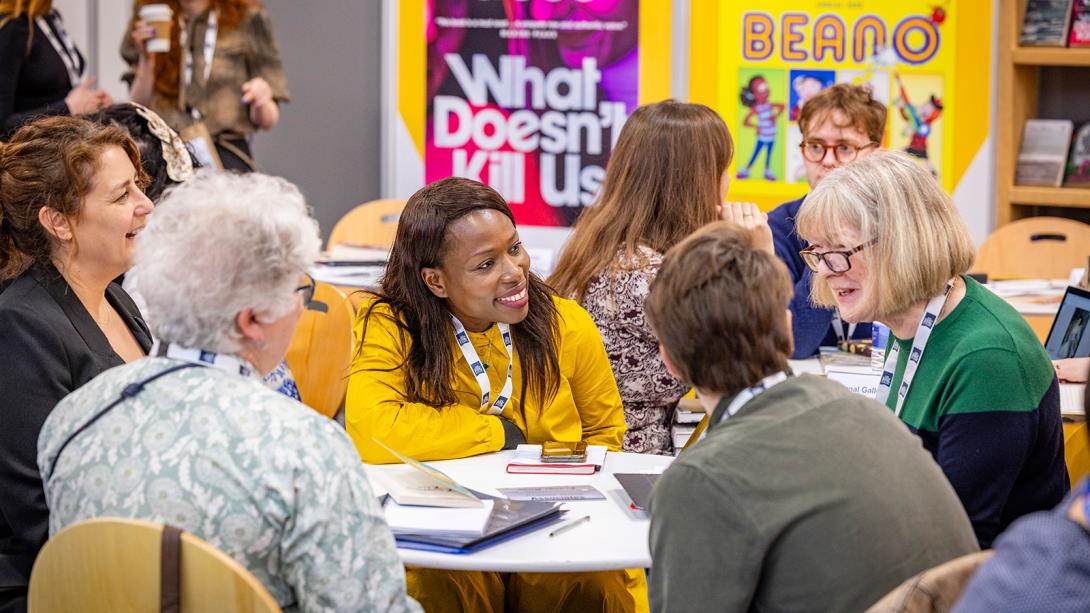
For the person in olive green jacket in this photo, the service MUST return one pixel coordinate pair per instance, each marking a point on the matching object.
(801, 496)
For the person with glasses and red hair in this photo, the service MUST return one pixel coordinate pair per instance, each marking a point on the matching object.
(839, 125)
(963, 369)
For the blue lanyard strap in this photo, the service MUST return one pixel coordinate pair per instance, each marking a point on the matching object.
(129, 391)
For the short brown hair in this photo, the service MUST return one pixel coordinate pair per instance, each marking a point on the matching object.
(49, 162)
(855, 102)
(719, 295)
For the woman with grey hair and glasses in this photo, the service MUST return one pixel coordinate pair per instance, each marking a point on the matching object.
(190, 436)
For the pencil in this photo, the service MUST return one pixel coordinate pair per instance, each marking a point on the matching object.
(569, 525)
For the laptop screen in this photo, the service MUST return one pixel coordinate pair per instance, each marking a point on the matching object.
(1069, 337)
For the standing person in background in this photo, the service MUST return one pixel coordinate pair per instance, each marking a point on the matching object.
(839, 125)
(71, 207)
(223, 70)
(41, 70)
(667, 177)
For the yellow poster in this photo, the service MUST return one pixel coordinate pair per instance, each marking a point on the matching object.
(928, 61)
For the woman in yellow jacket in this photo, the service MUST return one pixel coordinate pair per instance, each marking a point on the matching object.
(465, 351)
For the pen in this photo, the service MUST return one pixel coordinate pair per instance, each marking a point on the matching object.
(569, 525)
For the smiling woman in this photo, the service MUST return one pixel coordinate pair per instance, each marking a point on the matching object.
(465, 351)
(70, 207)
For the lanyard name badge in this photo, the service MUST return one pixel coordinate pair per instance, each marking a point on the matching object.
(221, 361)
(838, 328)
(65, 48)
(919, 343)
(211, 33)
(475, 364)
(750, 393)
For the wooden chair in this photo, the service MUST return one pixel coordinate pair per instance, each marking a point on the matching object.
(371, 224)
(113, 564)
(1035, 248)
(321, 350)
(934, 590)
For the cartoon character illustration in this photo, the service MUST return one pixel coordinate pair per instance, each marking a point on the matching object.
(918, 120)
(755, 96)
(806, 87)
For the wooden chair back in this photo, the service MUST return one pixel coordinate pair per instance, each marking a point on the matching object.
(934, 590)
(321, 350)
(113, 564)
(371, 224)
(1035, 248)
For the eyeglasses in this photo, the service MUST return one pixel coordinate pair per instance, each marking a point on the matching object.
(308, 296)
(835, 261)
(843, 152)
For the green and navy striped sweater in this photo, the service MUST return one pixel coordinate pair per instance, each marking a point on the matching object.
(986, 403)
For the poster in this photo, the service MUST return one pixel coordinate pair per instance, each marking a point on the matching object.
(528, 96)
(769, 59)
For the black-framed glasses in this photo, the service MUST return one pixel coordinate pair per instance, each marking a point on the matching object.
(307, 290)
(835, 261)
(843, 152)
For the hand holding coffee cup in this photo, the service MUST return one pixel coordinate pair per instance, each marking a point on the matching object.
(152, 31)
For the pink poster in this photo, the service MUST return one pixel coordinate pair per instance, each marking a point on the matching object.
(529, 96)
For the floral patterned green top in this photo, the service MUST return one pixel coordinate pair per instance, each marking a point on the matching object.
(270, 482)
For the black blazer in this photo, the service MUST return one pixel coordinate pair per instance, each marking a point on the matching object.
(34, 84)
(49, 346)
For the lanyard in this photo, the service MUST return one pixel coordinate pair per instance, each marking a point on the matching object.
(478, 369)
(919, 343)
(750, 393)
(64, 47)
(838, 328)
(211, 33)
(200, 357)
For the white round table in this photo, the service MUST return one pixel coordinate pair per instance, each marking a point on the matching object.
(614, 538)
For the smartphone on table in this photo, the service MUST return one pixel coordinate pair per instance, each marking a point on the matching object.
(558, 451)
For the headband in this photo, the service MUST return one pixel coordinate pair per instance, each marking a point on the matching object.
(179, 163)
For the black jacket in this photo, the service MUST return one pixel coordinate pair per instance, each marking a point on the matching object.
(34, 84)
(49, 346)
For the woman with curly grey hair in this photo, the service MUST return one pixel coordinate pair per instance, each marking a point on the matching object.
(191, 436)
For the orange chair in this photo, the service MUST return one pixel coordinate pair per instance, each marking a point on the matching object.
(114, 564)
(371, 224)
(321, 350)
(1035, 248)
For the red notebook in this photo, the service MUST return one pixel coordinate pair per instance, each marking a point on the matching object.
(527, 461)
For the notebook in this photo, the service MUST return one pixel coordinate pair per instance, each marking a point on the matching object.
(508, 519)
(1068, 337)
(527, 460)
(638, 486)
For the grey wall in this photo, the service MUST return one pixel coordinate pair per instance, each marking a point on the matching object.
(327, 141)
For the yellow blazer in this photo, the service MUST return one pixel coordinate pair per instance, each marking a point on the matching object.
(587, 405)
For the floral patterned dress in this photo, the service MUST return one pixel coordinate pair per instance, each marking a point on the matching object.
(650, 394)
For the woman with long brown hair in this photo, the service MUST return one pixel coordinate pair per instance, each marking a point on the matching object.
(41, 70)
(223, 71)
(667, 177)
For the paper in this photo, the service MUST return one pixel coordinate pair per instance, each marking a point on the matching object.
(553, 493)
(1071, 395)
(442, 484)
(435, 521)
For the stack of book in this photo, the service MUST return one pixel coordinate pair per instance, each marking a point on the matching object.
(1056, 23)
(688, 415)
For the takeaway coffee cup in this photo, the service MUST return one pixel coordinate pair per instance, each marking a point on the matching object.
(160, 17)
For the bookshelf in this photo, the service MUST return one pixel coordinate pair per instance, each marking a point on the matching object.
(1020, 70)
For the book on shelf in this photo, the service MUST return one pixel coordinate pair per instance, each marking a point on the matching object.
(1078, 164)
(1080, 24)
(527, 460)
(1043, 155)
(1045, 23)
